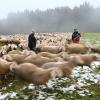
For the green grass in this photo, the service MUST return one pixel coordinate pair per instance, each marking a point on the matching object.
(22, 90)
(93, 38)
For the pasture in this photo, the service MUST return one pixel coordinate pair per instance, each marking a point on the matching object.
(84, 86)
(93, 38)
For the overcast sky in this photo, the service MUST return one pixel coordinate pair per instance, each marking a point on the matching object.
(7, 6)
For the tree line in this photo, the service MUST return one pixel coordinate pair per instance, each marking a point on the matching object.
(61, 19)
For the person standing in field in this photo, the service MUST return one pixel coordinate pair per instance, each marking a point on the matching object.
(32, 40)
(76, 36)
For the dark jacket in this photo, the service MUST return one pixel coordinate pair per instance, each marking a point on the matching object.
(31, 41)
(75, 34)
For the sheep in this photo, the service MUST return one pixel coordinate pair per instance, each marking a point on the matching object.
(23, 46)
(56, 57)
(4, 66)
(76, 48)
(84, 60)
(12, 47)
(64, 68)
(53, 64)
(37, 60)
(15, 57)
(51, 49)
(64, 55)
(28, 52)
(95, 48)
(68, 41)
(32, 73)
(14, 52)
(6, 48)
(9, 41)
(47, 54)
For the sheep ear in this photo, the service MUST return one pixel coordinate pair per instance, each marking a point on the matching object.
(7, 57)
(4, 57)
(80, 61)
(96, 56)
(13, 66)
(56, 73)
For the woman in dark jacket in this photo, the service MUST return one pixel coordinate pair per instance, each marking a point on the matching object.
(32, 41)
(76, 36)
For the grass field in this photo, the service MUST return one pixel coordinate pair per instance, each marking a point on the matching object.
(93, 38)
(86, 88)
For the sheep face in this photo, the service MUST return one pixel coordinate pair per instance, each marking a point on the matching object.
(56, 72)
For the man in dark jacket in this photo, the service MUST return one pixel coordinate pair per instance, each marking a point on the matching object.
(32, 41)
(76, 36)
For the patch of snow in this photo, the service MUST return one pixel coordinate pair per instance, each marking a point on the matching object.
(71, 88)
(13, 95)
(31, 86)
(4, 96)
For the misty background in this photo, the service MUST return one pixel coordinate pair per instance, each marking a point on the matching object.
(85, 18)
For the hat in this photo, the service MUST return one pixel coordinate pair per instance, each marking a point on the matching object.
(33, 30)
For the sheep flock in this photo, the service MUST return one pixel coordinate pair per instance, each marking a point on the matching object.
(55, 57)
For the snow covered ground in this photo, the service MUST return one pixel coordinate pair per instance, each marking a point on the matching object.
(82, 78)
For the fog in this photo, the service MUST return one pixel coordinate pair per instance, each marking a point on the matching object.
(61, 19)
